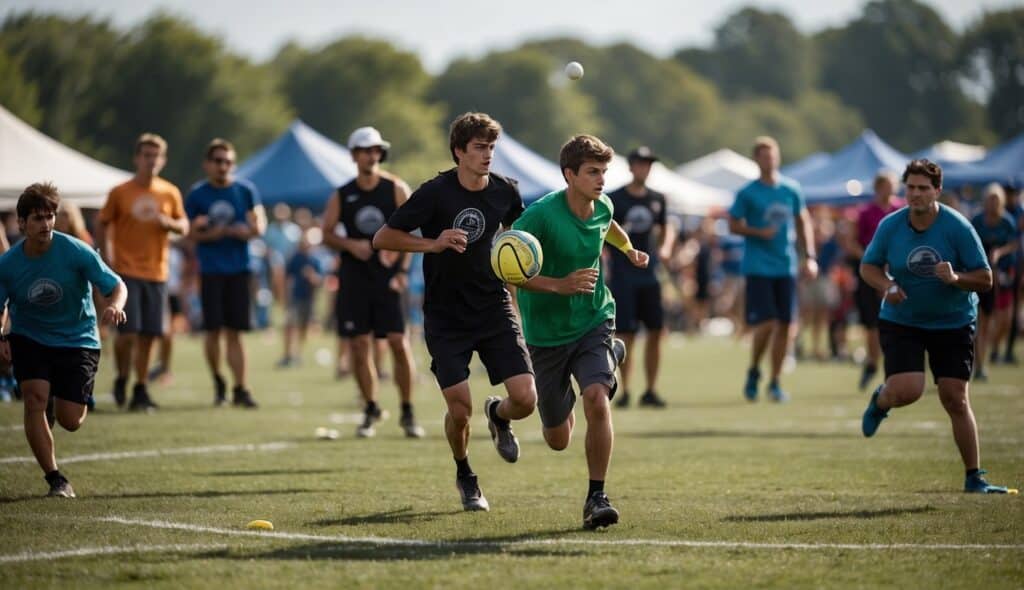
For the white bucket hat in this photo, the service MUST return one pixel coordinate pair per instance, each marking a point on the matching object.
(367, 137)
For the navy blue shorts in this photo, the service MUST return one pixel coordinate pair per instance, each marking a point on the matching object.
(635, 304)
(770, 299)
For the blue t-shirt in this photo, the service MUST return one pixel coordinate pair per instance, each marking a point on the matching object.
(761, 205)
(912, 256)
(50, 296)
(301, 287)
(224, 206)
(996, 236)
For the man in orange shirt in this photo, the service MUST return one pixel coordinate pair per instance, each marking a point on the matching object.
(141, 213)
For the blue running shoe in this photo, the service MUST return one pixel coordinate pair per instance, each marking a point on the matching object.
(873, 415)
(750, 389)
(776, 393)
(976, 484)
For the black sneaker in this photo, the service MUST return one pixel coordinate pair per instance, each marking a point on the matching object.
(370, 417)
(618, 350)
(220, 391)
(120, 391)
(501, 434)
(411, 428)
(598, 512)
(623, 400)
(141, 402)
(60, 487)
(650, 399)
(242, 398)
(51, 412)
(473, 499)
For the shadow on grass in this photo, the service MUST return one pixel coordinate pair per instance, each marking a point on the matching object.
(862, 514)
(656, 434)
(403, 515)
(257, 472)
(196, 494)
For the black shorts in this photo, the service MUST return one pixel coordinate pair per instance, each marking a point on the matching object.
(869, 303)
(495, 336)
(174, 304)
(770, 298)
(71, 372)
(636, 304)
(950, 352)
(589, 360)
(363, 306)
(226, 301)
(144, 309)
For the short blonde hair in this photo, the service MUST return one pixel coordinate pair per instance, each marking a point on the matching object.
(151, 139)
(764, 141)
(996, 189)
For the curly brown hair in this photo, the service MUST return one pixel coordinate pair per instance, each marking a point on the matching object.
(469, 126)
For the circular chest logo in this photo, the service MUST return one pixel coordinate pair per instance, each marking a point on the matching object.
(45, 292)
(777, 214)
(638, 220)
(369, 219)
(922, 260)
(145, 208)
(472, 222)
(221, 213)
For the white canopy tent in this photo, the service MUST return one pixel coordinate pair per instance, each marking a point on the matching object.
(28, 156)
(724, 169)
(682, 195)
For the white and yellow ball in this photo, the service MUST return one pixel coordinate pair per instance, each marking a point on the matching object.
(516, 257)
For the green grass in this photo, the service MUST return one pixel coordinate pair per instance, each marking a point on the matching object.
(710, 468)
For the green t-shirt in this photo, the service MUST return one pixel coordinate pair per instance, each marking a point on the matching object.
(569, 244)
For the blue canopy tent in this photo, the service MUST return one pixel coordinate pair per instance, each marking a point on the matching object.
(300, 168)
(1004, 164)
(536, 175)
(847, 177)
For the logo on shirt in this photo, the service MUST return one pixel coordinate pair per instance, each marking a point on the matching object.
(638, 220)
(369, 219)
(352, 198)
(922, 261)
(45, 292)
(145, 208)
(221, 213)
(777, 214)
(472, 222)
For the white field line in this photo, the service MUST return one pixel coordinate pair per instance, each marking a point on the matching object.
(261, 448)
(89, 551)
(12, 427)
(161, 524)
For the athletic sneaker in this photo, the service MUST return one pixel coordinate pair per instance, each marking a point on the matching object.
(473, 499)
(51, 412)
(750, 389)
(618, 350)
(411, 428)
(120, 391)
(873, 415)
(156, 372)
(141, 401)
(776, 392)
(60, 487)
(1010, 359)
(502, 436)
(598, 512)
(242, 398)
(220, 391)
(866, 375)
(993, 357)
(651, 399)
(976, 484)
(623, 399)
(366, 429)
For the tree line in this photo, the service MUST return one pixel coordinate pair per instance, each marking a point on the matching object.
(897, 67)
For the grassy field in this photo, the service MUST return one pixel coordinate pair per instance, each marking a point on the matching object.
(714, 492)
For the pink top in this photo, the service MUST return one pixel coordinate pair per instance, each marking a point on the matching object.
(870, 216)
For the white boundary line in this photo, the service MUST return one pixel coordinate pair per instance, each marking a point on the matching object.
(262, 448)
(90, 551)
(162, 524)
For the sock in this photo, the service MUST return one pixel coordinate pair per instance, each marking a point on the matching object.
(492, 413)
(54, 476)
(596, 485)
(462, 468)
(870, 368)
(406, 409)
(371, 407)
(774, 383)
(971, 472)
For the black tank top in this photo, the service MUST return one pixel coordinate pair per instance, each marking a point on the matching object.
(362, 214)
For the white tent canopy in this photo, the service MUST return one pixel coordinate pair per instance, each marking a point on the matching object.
(28, 156)
(724, 169)
(682, 195)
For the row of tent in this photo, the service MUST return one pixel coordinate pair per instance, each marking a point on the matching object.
(302, 167)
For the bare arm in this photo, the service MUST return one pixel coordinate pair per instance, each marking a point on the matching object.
(389, 238)
(175, 226)
(876, 277)
(579, 282)
(113, 312)
(739, 227)
(619, 239)
(805, 233)
(100, 237)
(666, 240)
(971, 280)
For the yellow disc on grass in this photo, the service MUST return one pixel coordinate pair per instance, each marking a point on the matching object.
(265, 525)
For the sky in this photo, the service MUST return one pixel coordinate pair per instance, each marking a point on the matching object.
(442, 30)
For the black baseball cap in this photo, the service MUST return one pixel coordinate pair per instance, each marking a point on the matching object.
(642, 153)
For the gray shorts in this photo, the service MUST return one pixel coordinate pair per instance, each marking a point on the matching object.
(300, 312)
(145, 307)
(589, 360)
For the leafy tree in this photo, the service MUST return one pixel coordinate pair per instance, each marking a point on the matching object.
(992, 53)
(17, 95)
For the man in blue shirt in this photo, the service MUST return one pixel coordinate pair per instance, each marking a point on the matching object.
(770, 213)
(45, 283)
(225, 214)
(303, 274)
(998, 233)
(935, 265)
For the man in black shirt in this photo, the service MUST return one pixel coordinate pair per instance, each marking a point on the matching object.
(368, 303)
(641, 212)
(466, 307)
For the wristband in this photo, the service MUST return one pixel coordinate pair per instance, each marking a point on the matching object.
(624, 246)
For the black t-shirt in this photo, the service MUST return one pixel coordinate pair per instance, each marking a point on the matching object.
(637, 216)
(458, 286)
(362, 214)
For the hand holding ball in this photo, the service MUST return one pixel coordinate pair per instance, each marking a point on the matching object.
(574, 70)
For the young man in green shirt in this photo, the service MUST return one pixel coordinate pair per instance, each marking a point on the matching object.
(568, 313)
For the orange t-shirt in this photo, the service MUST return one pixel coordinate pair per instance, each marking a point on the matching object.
(139, 244)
